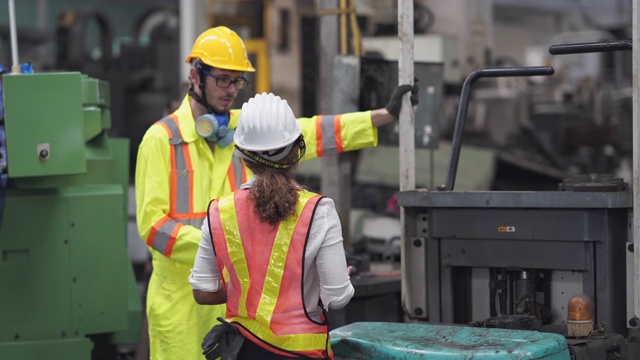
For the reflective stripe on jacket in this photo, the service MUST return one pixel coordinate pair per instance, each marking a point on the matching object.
(264, 266)
(181, 212)
(177, 324)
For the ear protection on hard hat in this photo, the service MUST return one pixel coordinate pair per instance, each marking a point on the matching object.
(267, 158)
(214, 128)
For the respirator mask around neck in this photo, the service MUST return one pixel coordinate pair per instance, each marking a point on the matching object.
(214, 128)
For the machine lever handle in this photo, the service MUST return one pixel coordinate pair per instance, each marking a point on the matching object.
(464, 102)
(590, 47)
(508, 72)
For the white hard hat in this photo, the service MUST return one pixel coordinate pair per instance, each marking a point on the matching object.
(266, 123)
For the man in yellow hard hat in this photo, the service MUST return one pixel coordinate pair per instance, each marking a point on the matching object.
(186, 159)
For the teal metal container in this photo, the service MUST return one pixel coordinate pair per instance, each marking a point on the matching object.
(399, 341)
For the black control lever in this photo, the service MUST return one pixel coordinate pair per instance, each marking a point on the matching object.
(464, 104)
(590, 47)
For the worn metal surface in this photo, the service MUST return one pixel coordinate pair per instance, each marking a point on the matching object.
(517, 199)
(569, 231)
(376, 340)
(376, 298)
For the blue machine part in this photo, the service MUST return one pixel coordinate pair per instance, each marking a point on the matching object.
(384, 340)
(25, 68)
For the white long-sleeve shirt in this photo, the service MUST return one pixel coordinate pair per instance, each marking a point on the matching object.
(325, 274)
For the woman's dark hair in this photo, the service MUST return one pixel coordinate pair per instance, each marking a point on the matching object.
(275, 190)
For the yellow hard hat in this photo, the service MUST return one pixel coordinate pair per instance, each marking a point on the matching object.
(222, 48)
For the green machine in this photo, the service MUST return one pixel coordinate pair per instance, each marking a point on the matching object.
(67, 289)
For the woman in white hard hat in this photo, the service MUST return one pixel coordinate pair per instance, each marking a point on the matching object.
(272, 251)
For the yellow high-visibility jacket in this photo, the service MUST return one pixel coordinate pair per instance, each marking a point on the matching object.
(169, 217)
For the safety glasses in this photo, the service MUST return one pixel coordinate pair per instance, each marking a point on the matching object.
(224, 82)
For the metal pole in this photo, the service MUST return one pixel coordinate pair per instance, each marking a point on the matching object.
(636, 165)
(42, 14)
(336, 174)
(407, 125)
(15, 65)
(405, 76)
(193, 21)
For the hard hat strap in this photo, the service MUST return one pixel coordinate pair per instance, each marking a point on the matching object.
(201, 67)
(256, 157)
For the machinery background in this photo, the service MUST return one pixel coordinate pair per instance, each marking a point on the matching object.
(142, 77)
(523, 255)
(541, 131)
(522, 133)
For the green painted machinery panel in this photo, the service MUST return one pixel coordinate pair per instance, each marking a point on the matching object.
(34, 267)
(99, 259)
(95, 92)
(44, 124)
(62, 349)
(378, 341)
(63, 263)
(96, 99)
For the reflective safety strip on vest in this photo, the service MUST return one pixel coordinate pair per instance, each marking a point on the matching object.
(328, 135)
(286, 242)
(236, 252)
(237, 173)
(164, 232)
(300, 343)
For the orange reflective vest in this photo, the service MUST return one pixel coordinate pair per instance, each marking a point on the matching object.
(262, 267)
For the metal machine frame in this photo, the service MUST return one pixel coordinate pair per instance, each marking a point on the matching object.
(448, 232)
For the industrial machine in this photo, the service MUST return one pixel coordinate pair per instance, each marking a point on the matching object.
(487, 272)
(67, 285)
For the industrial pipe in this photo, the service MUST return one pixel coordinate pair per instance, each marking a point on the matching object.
(635, 65)
(15, 65)
(407, 146)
